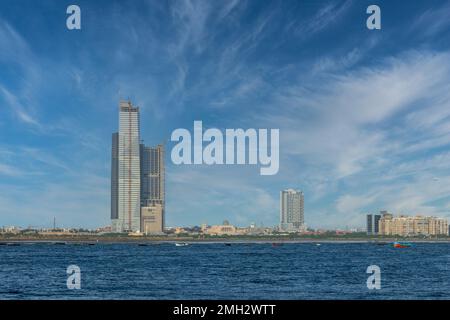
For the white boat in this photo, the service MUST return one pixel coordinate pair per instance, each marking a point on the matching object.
(181, 244)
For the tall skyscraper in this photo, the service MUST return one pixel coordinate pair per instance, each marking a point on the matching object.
(126, 201)
(292, 212)
(137, 178)
(152, 189)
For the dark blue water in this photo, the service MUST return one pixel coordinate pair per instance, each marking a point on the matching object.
(216, 271)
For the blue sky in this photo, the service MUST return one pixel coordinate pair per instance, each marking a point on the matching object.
(364, 116)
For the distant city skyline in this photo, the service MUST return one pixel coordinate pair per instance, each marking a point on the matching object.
(363, 115)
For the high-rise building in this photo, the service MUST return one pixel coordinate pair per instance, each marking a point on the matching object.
(126, 172)
(152, 189)
(376, 223)
(292, 210)
(137, 178)
(152, 175)
(369, 224)
(373, 223)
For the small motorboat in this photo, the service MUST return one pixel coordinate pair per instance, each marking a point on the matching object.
(228, 244)
(402, 244)
(13, 244)
(181, 244)
(276, 244)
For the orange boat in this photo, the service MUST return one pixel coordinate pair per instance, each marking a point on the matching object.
(401, 245)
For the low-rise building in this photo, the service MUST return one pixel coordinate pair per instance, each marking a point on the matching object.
(412, 226)
(224, 229)
(11, 229)
(152, 219)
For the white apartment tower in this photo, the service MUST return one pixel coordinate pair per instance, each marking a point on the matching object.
(126, 172)
(292, 210)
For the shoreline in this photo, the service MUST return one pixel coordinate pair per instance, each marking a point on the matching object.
(159, 240)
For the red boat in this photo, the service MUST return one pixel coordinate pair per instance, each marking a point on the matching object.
(401, 245)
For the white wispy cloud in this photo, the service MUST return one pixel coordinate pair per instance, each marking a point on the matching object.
(190, 19)
(16, 53)
(324, 18)
(432, 21)
(8, 170)
(228, 7)
(14, 47)
(338, 115)
(17, 108)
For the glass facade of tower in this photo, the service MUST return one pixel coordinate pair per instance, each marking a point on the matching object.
(369, 224)
(115, 177)
(152, 178)
(373, 223)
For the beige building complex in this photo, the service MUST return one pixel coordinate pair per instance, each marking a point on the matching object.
(152, 219)
(412, 226)
(225, 229)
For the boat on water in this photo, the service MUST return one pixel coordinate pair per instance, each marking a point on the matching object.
(228, 244)
(181, 244)
(402, 244)
(14, 244)
(277, 244)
